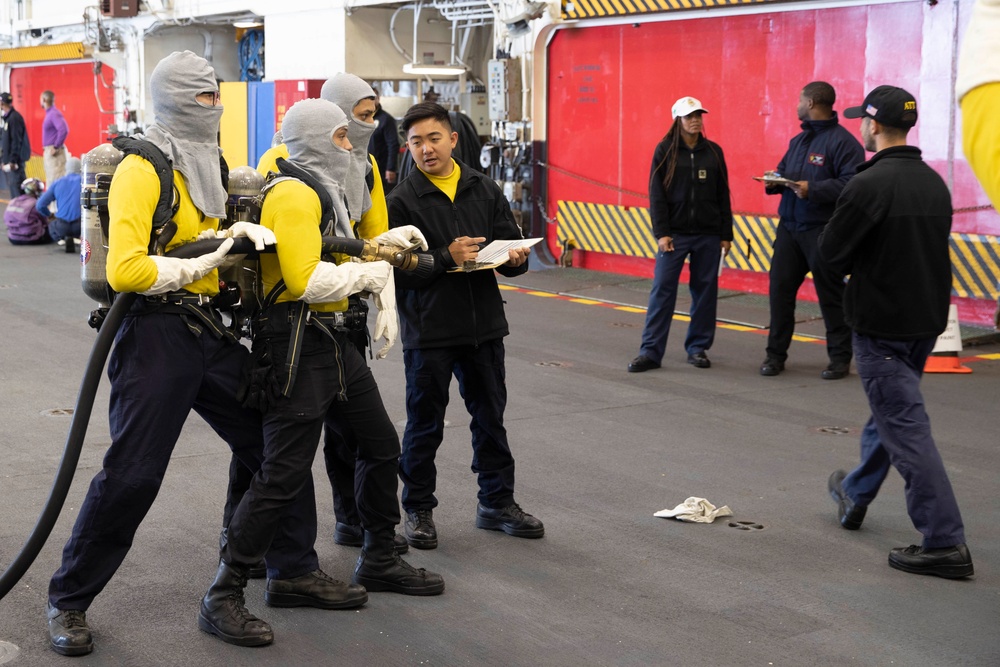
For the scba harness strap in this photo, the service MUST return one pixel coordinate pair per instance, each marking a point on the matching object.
(263, 383)
(163, 226)
(199, 311)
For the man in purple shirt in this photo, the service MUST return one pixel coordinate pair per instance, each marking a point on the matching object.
(54, 131)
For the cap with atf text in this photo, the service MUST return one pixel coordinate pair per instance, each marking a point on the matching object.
(6, 98)
(685, 106)
(888, 105)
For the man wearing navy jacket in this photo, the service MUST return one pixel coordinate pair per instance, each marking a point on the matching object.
(819, 162)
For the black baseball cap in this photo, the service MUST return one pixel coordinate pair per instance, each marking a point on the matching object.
(6, 98)
(888, 105)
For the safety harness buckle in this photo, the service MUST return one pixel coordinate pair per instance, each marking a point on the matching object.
(182, 299)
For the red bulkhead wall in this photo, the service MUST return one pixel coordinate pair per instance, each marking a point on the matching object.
(78, 99)
(610, 89)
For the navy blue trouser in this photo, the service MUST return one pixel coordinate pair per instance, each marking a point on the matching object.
(705, 252)
(61, 229)
(14, 179)
(482, 383)
(328, 370)
(159, 372)
(795, 255)
(340, 453)
(898, 433)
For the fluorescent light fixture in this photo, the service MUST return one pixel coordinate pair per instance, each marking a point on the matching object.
(255, 23)
(432, 70)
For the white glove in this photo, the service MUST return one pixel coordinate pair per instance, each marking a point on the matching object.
(386, 322)
(979, 61)
(6, 167)
(402, 237)
(260, 235)
(231, 260)
(333, 282)
(173, 273)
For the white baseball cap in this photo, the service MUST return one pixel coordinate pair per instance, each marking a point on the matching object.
(685, 106)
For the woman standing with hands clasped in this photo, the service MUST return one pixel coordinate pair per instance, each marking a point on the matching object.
(691, 216)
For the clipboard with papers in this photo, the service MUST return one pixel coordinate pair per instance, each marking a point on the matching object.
(773, 180)
(495, 254)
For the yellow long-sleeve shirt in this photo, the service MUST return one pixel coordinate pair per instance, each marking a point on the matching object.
(135, 191)
(375, 220)
(292, 211)
(981, 137)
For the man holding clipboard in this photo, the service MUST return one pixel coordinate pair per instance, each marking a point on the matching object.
(819, 162)
(453, 322)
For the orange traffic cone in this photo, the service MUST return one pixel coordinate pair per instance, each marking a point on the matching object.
(945, 362)
(944, 356)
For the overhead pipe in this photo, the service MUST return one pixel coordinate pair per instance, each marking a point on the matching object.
(416, 21)
(392, 33)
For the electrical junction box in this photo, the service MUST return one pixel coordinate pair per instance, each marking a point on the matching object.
(120, 8)
(504, 89)
(474, 106)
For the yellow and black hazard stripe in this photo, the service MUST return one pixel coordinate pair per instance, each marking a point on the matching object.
(616, 230)
(975, 265)
(625, 230)
(588, 9)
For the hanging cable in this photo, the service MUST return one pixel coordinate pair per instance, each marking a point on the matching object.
(251, 53)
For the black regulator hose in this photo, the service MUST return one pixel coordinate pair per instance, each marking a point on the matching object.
(92, 378)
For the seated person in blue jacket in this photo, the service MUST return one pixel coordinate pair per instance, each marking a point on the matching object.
(65, 192)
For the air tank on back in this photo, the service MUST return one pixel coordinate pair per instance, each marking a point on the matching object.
(243, 205)
(245, 184)
(98, 166)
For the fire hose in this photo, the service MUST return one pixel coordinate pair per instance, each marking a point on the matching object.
(418, 263)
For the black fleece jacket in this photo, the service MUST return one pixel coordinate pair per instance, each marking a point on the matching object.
(447, 309)
(14, 145)
(890, 231)
(698, 199)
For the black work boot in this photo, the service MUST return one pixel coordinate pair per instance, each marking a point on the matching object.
(348, 534)
(352, 535)
(315, 589)
(420, 530)
(224, 613)
(511, 519)
(68, 631)
(380, 568)
(256, 571)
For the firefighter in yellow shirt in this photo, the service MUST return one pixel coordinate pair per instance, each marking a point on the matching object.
(172, 354)
(366, 208)
(309, 371)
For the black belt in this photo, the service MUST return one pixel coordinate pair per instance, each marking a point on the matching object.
(298, 316)
(196, 310)
(181, 298)
(327, 321)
